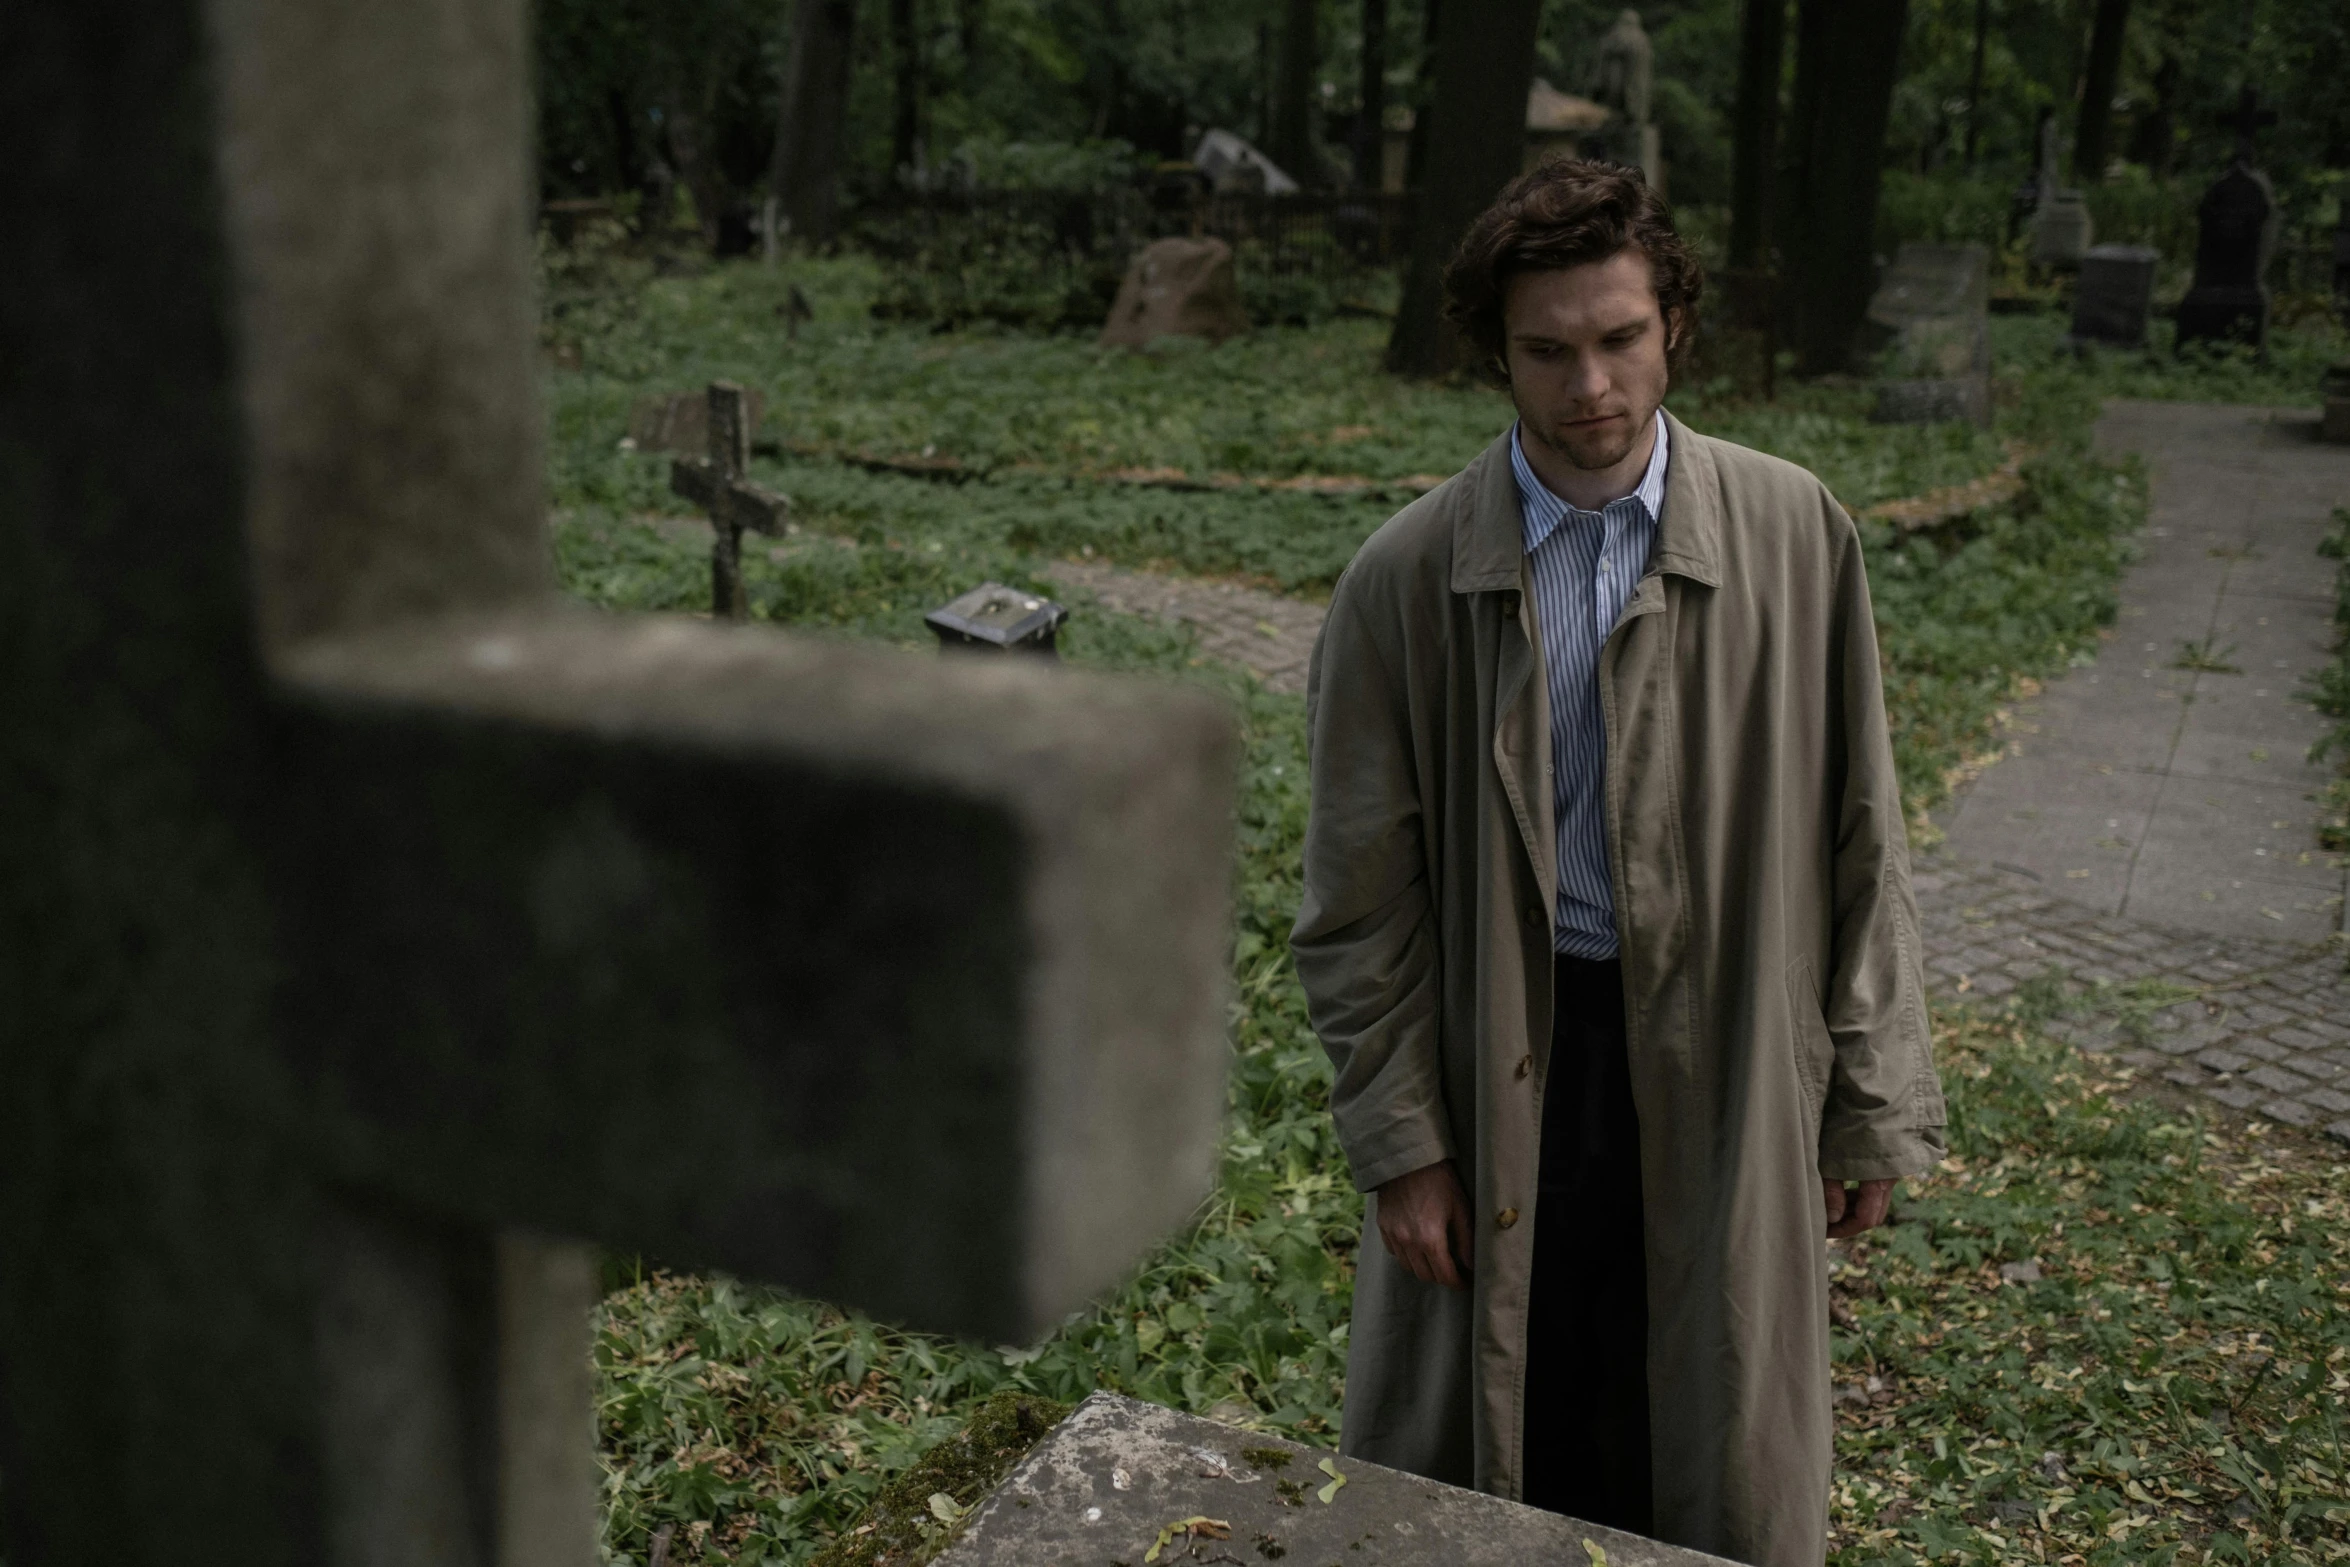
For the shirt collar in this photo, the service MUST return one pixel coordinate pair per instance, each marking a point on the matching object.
(1544, 511)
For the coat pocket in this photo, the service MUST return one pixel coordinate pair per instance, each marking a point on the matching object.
(1815, 1051)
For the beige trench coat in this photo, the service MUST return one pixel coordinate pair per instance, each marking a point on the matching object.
(1769, 940)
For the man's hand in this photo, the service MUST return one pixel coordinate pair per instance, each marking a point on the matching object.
(1850, 1212)
(1424, 1219)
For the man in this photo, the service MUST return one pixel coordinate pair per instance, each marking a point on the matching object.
(1607, 923)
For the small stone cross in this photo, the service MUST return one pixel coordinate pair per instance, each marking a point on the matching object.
(382, 932)
(716, 484)
(2246, 119)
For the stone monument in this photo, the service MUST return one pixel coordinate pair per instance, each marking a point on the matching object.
(2061, 230)
(2235, 235)
(1623, 79)
(1176, 288)
(383, 931)
(2113, 295)
(1928, 326)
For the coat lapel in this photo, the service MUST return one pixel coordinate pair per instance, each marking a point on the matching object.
(1489, 560)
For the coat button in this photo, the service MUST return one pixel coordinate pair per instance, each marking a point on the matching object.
(1509, 605)
(1506, 1218)
(1533, 914)
(1525, 1065)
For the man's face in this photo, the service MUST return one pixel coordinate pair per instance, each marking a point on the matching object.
(1586, 355)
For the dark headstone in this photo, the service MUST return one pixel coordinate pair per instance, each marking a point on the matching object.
(1125, 1481)
(992, 618)
(1929, 329)
(2235, 232)
(2114, 294)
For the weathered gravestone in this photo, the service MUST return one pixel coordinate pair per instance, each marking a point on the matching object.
(1125, 1481)
(680, 421)
(1176, 288)
(2114, 294)
(377, 929)
(993, 618)
(716, 484)
(2061, 229)
(2235, 234)
(1929, 329)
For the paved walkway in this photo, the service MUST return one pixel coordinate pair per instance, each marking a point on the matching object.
(2169, 780)
(1258, 630)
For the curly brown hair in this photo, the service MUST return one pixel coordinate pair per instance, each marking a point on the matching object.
(1569, 212)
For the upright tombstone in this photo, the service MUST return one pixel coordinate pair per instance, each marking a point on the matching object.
(2114, 295)
(2061, 228)
(2235, 235)
(1623, 80)
(1929, 328)
(379, 930)
(1176, 288)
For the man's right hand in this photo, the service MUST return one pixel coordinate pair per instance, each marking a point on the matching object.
(1424, 1219)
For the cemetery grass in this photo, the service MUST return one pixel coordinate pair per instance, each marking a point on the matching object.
(758, 1426)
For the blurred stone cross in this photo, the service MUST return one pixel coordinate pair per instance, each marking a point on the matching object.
(716, 484)
(382, 931)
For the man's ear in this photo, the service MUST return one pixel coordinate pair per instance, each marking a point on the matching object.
(1673, 322)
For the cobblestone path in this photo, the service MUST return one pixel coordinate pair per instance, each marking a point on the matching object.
(1257, 630)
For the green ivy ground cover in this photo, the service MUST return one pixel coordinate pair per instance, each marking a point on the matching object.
(755, 1427)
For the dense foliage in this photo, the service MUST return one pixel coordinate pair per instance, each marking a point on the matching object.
(756, 1426)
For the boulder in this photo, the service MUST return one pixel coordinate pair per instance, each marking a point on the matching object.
(1177, 288)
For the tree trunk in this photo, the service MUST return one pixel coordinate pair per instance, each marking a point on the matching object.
(1844, 89)
(970, 23)
(2104, 70)
(1974, 83)
(1762, 49)
(906, 109)
(805, 173)
(1415, 168)
(1370, 136)
(1476, 145)
(1291, 143)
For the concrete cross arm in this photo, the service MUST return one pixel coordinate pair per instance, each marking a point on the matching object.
(897, 981)
(730, 501)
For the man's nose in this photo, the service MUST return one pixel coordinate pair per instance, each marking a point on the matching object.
(1587, 380)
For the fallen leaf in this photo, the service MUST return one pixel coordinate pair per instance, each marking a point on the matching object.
(1199, 1524)
(1591, 1548)
(1329, 1493)
(945, 1508)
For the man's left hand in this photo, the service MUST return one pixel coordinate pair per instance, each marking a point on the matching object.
(1852, 1211)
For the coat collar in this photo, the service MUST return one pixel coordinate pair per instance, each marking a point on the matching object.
(1489, 539)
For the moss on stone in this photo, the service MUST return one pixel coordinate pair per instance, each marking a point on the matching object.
(899, 1529)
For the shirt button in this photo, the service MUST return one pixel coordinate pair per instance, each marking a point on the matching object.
(1506, 1218)
(1525, 1065)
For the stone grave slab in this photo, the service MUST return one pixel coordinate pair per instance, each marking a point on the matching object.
(680, 421)
(1928, 327)
(2114, 294)
(1125, 1482)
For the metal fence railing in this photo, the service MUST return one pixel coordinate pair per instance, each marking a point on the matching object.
(1320, 234)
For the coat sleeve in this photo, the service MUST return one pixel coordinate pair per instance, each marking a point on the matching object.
(1365, 941)
(1884, 1115)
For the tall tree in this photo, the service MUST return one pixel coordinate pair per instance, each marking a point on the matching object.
(2098, 81)
(1847, 55)
(810, 114)
(1974, 83)
(1370, 137)
(1476, 142)
(1291, 142)
(1754, 151)
(906, 108)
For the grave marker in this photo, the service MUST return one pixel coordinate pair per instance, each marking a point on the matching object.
(2236, 232)
(1929, 326)
(995, 618)
(380, 930)
(2113, 295)
(2061, 227)
(716, 484)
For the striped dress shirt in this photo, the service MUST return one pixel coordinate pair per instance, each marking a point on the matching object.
(1585, 566)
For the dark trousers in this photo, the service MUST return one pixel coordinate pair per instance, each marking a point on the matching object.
(1586, 1406)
